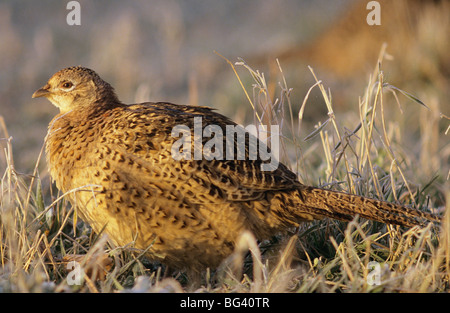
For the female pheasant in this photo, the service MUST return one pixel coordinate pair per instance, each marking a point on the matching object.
(117, 165)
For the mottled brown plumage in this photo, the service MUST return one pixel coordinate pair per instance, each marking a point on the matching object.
(115, 163)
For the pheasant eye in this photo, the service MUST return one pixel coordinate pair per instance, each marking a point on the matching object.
(66, 85)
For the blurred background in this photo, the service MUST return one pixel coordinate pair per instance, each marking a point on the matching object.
(163, 50)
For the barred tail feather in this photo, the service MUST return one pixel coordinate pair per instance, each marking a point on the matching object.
(345, 206)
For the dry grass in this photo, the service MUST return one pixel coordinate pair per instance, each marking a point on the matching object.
(361, 154)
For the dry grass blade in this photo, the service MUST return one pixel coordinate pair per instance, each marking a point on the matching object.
(405, 93)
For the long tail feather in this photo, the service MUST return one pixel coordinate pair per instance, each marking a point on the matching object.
(345, 206)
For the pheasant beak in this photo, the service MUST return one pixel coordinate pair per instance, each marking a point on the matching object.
(42, 92)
